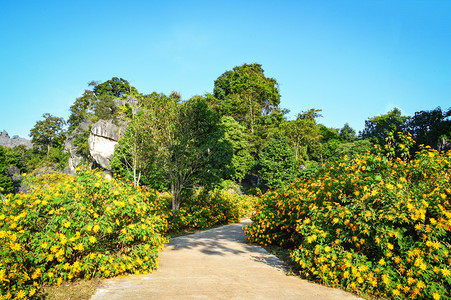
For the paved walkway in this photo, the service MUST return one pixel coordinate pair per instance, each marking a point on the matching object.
(216, 264)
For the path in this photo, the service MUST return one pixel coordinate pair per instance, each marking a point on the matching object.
(216, 264)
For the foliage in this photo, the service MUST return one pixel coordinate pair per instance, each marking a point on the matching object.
(303, 132)
(105, 108)
(428, 127)
(368, 224)
(245, 93)
(185, 141)
(234, 134)
(115, 87)
(277, 163)
(378, 128)
(48, 132)
(205, 209)
(132, 160)
(81, 109)
(6, 184)
(79, 226)
(347, 133)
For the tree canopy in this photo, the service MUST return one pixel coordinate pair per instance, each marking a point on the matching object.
(48, 132)
(246, 94)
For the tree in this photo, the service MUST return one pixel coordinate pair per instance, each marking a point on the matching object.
(428, 127)
(105, 108)
(242, 160)
(277, 162)
(48, 132)
(185, 141)
(347, 134)
(81, 109)
(303, 132)
(246, 94)
(115, 87)
(379, 128)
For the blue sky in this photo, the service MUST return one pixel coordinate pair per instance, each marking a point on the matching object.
(352, 59)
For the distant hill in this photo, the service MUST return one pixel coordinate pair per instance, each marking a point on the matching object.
(7, 141)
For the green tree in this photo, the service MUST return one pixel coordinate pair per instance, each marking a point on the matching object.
(81, 109)
(428, 127)
(277, 162)
(115, 87)
(246, 94)
(242, 161)
(185, 141)
(48, 132)
(105, 108)
(347, 133)
(379, 128)
(303, 132)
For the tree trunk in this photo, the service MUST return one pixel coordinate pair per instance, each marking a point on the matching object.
(176, 196)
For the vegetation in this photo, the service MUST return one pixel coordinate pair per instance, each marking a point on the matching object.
(367, 212)
(369, 223)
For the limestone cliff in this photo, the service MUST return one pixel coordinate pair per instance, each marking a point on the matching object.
(102, 140)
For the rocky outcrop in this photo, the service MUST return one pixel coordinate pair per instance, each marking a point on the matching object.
(102, 140)
(7, 141)
(76, 157)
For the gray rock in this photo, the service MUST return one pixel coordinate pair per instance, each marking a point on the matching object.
(102, 141)
(12, 170)
(7, 141)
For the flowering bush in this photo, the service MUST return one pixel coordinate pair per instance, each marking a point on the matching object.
(368, 224)
(206, 209)
(80, 226)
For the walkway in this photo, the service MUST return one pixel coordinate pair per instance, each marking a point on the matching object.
(216, 264)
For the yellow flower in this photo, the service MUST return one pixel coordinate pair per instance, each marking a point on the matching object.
(44, 245)
(436, 296)
(92, 239)
(446, 272)
(21, 294)
(382, 262)
(66, 224)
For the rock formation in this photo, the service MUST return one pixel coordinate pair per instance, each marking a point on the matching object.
(7, 141)
(102, 140)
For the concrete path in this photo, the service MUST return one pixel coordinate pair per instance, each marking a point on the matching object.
(216, 264)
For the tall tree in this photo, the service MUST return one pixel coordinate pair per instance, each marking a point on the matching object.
(48, 132)
(277, 162)
(6, 184)
(303, 132)
(246, 94)
(115, 87)
(379, 128)
(242, 161)
(185, 141)
(428, 127)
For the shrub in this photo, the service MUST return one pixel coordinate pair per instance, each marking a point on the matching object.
(206, 209)
(80, 226)
(368, 224)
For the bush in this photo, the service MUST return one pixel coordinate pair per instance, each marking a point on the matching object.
(81, 226)
(367, 224)
(206, 209)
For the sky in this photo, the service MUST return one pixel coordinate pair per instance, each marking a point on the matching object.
(352, 59)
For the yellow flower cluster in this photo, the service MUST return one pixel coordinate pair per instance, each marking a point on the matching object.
(72, 226)
(381, 226)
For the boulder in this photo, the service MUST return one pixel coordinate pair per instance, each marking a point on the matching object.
(102, 141)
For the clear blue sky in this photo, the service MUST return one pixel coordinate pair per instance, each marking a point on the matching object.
(352, 59)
